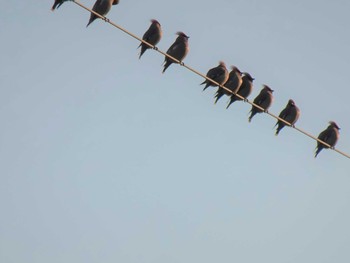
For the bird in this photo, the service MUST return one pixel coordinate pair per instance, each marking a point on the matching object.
(329, 136)
(244, 90)
(58, 3)
(152, 36)
(233, 82)
(177, 50)
(290, 114)
(219, 74)
(264, 100)
(101, 7)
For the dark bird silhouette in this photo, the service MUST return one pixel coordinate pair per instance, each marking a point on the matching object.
(101, 7)
(177, 50)
(264, 100)
(233, 83)
(58, 3)
(329, 136)
(152, 36)
(218, 74)
(244, 90)
(290, 114)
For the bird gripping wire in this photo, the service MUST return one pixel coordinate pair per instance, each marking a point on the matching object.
(181, 63)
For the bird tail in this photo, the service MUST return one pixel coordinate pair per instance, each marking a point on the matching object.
(54, 6)
(278, 129)
(232, 100)
(166, 65)
(218, 95)
(251, 116)
(206, 86)
(142, 50)
(92, 18)
(318, 150)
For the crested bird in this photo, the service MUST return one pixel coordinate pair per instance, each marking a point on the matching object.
(264, 100)
(219, 74)
(244, 90)
(152, 36)
(177, 50)
(233, 83)
(290, 114)
(101, 7)
(329, 136)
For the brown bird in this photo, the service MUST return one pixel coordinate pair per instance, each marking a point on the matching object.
(152, 36)
(264, 100)
(329, 136)
(178, 50)
(233, 83)
(101, 7)
(290, 114)
(244, 90)
(218, 74)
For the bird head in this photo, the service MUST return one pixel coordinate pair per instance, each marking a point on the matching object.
(267, 88)
(222, 64)
(248, 76)
(182, 34)
(333, 124)
(291, 102)
(154, 21)
(235, 69)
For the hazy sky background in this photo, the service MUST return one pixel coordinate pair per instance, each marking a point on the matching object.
(105, 159)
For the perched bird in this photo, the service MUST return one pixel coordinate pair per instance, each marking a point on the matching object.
(233, 83)
(152, 36)
(101, 7)
(244, 90)
(264, 100)
(218, 74)
(329, 136)
(290, 114)
(178, 50)
(58, 3)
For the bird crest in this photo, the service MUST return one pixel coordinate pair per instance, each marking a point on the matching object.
(154, 21)
(179, 33)
(332, 123)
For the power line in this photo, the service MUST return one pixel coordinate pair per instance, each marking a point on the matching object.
(181, 63)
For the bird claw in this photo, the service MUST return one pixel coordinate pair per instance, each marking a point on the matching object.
(181, 63)
(155, 48)
(106, 19)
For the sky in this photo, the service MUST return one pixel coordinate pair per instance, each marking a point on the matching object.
(105, 159)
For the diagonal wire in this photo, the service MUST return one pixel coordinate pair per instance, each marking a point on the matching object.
(181, 63)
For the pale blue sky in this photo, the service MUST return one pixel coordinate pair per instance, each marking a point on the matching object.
(105, 159)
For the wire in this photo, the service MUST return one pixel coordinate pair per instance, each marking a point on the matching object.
(181, 63)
